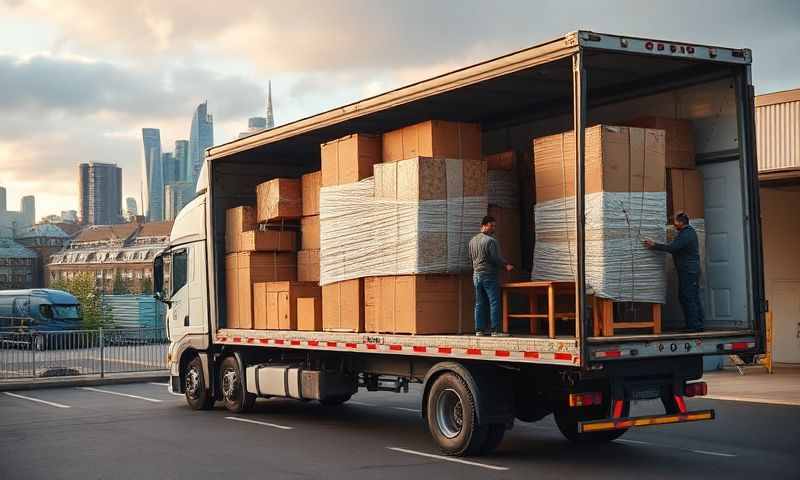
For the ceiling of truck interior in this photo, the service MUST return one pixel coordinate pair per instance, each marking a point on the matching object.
(505, 100)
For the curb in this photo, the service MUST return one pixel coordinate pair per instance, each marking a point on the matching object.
(162, 376)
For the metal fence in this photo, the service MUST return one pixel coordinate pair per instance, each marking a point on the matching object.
(41, 354)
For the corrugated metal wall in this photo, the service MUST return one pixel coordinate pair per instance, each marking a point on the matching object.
(135, 311)
(778, 136)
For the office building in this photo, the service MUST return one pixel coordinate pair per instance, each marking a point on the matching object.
(12, 222)
(156, 207)
(182, 157)
(201, 137)
(100, 190)
(2, 200)
(28, 210)
(151, 140)
(69, 216)
(176, 196)
(130, 208)
(170, 165)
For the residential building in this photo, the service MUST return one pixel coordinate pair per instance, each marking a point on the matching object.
(45, 239)
(17, 265)
(176, 196)
(107, 250)
(201, 137)
(778, 144)
(182, 157)
(151, 141)
(100, 191)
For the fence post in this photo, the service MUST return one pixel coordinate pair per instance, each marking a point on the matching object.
(102, 354)
(33, 350)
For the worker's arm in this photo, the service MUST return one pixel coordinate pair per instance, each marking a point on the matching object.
(680, 243)
(494, 255)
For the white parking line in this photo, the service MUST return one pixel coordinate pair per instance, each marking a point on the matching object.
(448, 459)
(363, 404)
(37, 400)
(98, 390)
(166, 385)
(716, 454)
(635, 442)
(256, 422)
(660, 445)
(408, 409)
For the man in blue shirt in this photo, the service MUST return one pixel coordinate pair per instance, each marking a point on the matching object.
(685, 253)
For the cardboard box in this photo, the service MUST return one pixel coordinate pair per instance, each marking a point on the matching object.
(618, 159)
(266, 241)
(280, 303)
(349, 159)
(310, 184)
(679, 139)
(238, 220)
(309, 313)
(308, 266)
(435, 139)
(685, 193)
(419, 304)
(424, 178)
(279, 199)
(343, 306)
(244, 269)
(309, 232)
(501, 161)
(508, 233)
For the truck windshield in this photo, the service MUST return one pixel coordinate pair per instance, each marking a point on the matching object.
(66, 311)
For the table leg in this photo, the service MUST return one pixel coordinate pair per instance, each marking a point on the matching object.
(656, 313)
(608, 317)
(505, 310)
(596, 324)
(533, 308)
(551, 311)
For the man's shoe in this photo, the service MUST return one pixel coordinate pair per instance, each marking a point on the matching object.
(499, 334)
(480, 333)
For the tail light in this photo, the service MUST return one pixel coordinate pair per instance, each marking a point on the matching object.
(585, 399)
(696, 389)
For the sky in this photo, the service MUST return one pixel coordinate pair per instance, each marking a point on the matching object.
(80, 79)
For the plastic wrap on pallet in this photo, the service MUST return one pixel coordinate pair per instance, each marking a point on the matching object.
(364, 236)
(618, 266)
(503, 188)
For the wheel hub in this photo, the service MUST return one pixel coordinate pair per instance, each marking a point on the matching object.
(449, 413)
(230, 384)
(193, 382)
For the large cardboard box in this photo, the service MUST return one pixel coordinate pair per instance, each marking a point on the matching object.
(238, 220)
(310, 184)
(685, 192)
(434, 138)
(618, 159)
(501, 161)
(309, 232)
(279, 199)
(244, 269)
(343, 306)
(308, 266)
(508, 233)
(266, 241)
(419, 304)
(349, 159)
(424, 178)
(309, 314)
(279, 301)
(679, 138)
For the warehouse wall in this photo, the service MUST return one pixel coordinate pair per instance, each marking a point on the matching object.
(781, 231)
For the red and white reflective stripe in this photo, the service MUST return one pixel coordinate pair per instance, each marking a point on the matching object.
(423, 350)
(739, 345)
(610, 353)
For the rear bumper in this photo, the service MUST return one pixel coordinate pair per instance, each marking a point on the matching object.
(644, 421)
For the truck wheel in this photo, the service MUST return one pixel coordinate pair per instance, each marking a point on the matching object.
(197, 395)
(452, 421)
(493, 438)
(567, 421)
(334, 401)
(236, 399)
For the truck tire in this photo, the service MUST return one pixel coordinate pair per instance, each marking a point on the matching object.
(194, 386)
(334, 401)
(236, 399)
(567, 421)
(493, 438)
(451, 416)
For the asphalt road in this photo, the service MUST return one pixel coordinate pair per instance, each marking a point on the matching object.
(141, 431)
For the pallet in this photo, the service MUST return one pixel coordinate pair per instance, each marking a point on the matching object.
(605, 326)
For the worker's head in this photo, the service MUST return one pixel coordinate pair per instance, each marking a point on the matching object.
(680, 221)
(488, 225)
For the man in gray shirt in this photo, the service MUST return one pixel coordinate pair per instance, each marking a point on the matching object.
(484, 250)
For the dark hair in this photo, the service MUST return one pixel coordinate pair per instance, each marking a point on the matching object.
(487, 220)
(682, 218)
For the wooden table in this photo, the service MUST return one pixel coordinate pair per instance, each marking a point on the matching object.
(532, 288)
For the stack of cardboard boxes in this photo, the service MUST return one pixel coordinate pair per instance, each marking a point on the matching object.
(261, 264)
(504, 204)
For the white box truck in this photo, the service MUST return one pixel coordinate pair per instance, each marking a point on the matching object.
(474, 388)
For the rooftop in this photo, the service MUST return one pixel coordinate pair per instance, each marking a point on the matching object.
(12, 249)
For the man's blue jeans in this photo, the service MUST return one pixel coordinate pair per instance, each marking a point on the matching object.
(487, 301)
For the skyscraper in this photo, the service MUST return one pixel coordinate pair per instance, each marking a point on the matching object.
(201, 137)
(151, 139)
(100, 190)
(130, 208)
(182, 157)
(176, 196)
(28, 209)
(2, 200)
(270, 118)
(254, 125)
(155, 210)
(170, 166)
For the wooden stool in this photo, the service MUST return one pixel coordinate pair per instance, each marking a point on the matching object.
(603, 318)
(532, 288)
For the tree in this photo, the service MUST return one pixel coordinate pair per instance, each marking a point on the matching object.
(93, 313)
(121, 285)
(147, 286)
